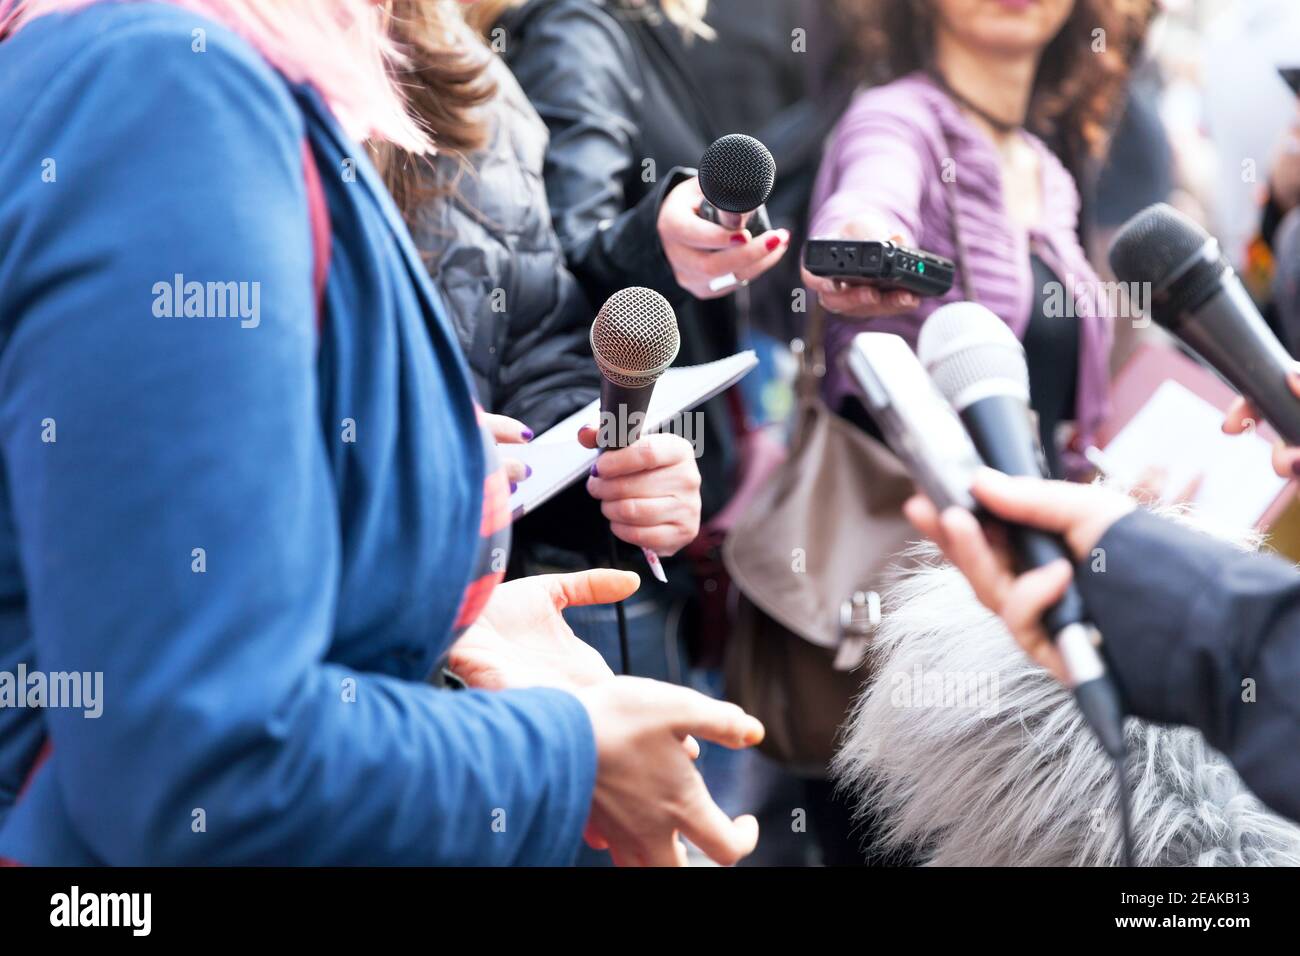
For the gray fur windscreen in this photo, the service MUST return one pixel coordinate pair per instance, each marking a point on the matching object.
(969, 754)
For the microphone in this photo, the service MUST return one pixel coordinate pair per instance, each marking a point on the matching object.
(979, 365)
(1196, 295)
(736, 175)
(634, 340)
(917, 421)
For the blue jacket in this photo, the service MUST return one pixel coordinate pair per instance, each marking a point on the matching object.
(257, 532)
(1199, 633)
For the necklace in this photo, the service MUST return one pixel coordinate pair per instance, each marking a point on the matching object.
(1000, 125)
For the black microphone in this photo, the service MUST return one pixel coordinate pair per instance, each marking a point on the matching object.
(634, 339)
(1196, 295)
(736, 175)
(979, 365)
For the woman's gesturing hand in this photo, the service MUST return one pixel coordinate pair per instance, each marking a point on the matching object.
(648, 793)
(1081, 514)
(708, 260)
(861, 301)
(521, 640)
(649, 491)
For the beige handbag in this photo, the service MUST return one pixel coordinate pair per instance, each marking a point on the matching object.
(808, 559)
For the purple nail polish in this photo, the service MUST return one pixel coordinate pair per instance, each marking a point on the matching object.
(528, 471)
(513, 487)
(527, 434)
(595, 473)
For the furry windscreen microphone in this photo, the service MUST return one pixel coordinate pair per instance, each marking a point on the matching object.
(979, 365)
(634, 339)
(1195, 294)
(963, 749)
(737, 174)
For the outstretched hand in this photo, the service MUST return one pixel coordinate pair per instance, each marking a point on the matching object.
(522, 640)
(1081, 514)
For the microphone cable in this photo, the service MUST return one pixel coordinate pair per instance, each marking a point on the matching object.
(1125, 810)
(624, 657)
(1099, 702)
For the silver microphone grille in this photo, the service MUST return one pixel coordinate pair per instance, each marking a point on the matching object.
(970, 354)
(634, 337)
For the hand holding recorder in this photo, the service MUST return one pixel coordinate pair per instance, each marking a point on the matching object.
(847, 295)
(714, 227)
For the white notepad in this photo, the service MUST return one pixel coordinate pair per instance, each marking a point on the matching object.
(1182, 433)
(558, 460)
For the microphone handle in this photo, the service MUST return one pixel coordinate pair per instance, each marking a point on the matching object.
(622, 413)
(1229, 333)
(1003, 431)
(758, 221)
(1004, 434)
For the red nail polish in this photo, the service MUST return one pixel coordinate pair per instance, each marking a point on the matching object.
(738, 239)
(773, 243)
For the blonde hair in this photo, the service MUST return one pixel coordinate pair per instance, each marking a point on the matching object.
(340, 47)
(687, 14)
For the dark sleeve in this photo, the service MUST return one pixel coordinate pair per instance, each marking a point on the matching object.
(1199, 633)
(1271, 220)
(577, 67)
(546, 371)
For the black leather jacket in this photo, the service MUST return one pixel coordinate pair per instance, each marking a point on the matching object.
(626, 125)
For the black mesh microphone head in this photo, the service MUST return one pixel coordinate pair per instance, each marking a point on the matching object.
(737, 173)
(1172, 255)
(634, 337)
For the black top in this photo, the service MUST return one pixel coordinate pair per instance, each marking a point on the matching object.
(1052, 353)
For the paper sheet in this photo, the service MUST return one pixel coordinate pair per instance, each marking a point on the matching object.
(1181, 433)
(558, 460)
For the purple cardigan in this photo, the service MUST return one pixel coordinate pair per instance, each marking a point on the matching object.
(889, 155)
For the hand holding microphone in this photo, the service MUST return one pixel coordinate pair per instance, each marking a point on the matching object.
(714, 228)
(648, 486)
(978, 364)
(1196, 296)
(1242, 416)
(1079, 514)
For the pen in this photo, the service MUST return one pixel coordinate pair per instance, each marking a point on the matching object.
(656, 567)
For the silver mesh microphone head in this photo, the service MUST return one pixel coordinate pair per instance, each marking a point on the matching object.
(972, 354)
(634, 337)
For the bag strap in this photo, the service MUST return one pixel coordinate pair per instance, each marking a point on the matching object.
(319, 212)
(812, 357)
(954, 216)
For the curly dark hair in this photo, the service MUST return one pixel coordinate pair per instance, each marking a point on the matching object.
(1077, 89)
